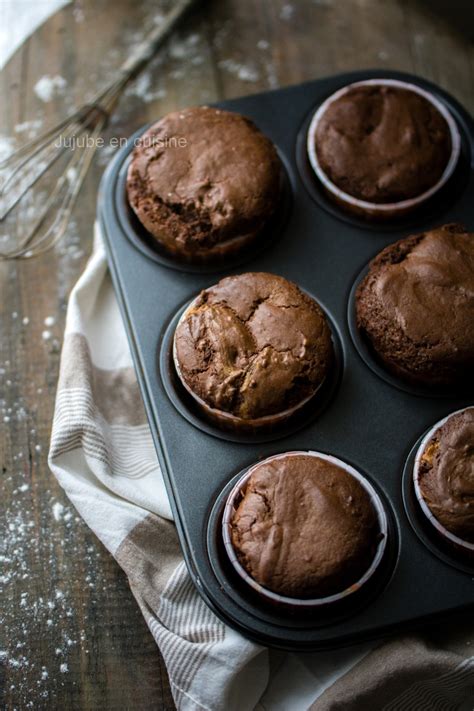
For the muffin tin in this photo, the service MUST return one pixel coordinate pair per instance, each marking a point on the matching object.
(367, 418)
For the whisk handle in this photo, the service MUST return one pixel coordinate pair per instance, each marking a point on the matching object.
(146, 49)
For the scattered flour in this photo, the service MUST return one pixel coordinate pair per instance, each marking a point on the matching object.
(142, 89)
(244, 72)
(48, 88)
(58, 510)
(184, 49)
(28, 127)
(287, 12)
(27, 616)
(78, 14)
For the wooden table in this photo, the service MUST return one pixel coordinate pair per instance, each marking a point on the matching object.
(58, 652)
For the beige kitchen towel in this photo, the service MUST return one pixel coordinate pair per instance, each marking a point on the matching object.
(103, 456)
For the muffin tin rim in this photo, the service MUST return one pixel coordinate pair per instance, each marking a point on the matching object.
(303, 603)
(401, 205)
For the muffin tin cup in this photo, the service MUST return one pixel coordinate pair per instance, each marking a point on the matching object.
(228, 422)
(372, 210)
(224, 255)
(460, 547)
(305, 604)
(398, 378)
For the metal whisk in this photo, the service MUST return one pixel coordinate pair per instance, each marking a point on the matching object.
(24, 168)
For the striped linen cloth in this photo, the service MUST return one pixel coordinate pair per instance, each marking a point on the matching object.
(102, 455)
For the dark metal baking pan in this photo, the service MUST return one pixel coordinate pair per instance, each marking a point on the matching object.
(368, 421)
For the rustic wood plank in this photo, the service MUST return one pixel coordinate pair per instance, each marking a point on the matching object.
(66, 600)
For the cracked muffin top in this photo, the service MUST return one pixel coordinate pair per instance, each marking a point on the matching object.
(416, 306)
(201, 177)
(383, 144)
(253, 345)
(305, 526)
(446, 474)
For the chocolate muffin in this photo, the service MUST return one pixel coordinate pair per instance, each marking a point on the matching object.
(381, 143)
(305, 527)
(204, 182)
(446, 474)
(416, 306)
(252, 346)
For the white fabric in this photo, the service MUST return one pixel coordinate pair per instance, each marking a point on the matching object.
(113, 504)
(19, 19)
